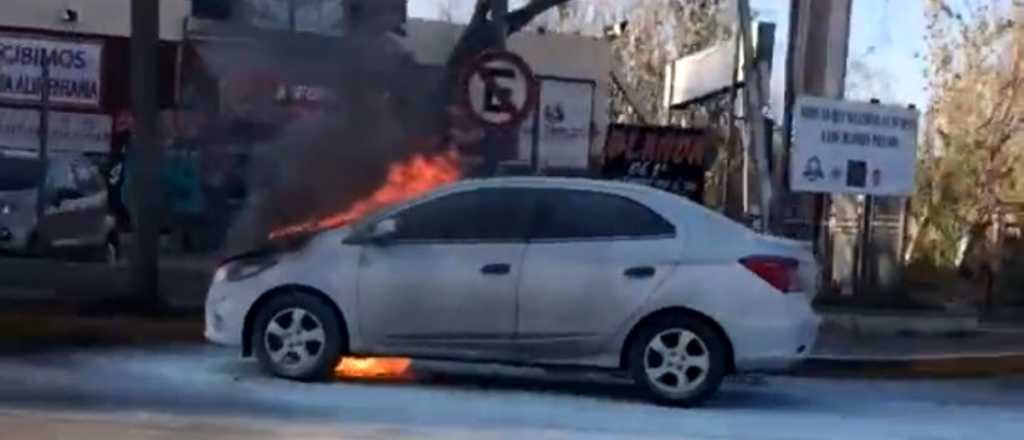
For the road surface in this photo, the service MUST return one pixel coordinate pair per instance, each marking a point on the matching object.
(201, 392)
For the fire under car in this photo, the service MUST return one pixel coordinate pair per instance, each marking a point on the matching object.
(530, 271)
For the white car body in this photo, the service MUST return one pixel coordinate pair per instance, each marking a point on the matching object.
(562, 302)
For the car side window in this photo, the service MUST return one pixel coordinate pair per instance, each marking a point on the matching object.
(577, 214)
(492, 214)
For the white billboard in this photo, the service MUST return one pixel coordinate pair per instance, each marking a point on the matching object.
(853, 147)
(74, 70)
(566, 115)
(563, 137)
(700, 75)
(79, 132)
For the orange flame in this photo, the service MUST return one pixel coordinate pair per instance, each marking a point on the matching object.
(406, 180)
(373, 368)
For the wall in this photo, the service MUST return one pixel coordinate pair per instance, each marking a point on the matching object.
(567, 56)
(95, 17)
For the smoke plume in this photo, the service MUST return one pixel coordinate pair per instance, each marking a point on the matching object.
(384, 108)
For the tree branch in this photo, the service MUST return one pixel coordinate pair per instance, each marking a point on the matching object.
(517, 20)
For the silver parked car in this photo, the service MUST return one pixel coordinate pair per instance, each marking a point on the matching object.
(74, 213)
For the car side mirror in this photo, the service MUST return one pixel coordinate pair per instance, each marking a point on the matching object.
(384, 231)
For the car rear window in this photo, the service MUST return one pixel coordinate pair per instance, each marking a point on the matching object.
(18, 174)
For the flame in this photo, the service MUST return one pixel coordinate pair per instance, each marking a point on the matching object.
(406, 180)
(373, 368)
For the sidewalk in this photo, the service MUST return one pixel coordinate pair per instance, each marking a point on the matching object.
(183, 280)
(914, 345)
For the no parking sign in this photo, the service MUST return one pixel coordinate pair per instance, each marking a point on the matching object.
(499, 89)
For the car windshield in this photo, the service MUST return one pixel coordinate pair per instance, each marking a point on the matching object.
(18, 174)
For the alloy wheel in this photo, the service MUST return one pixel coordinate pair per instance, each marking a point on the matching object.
(294, 339)
(676, 361)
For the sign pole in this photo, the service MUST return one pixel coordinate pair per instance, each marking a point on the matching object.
(499, 14)
(44, 137)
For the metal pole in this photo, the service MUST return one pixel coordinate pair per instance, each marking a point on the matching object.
(499, 14)
(863, 278)
(145, 151)
(44, 138)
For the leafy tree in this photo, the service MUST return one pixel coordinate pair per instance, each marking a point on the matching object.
(975, 128)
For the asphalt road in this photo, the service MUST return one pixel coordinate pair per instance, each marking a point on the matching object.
(201, 392)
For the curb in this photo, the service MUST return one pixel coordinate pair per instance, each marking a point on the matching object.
(920, 367)
(895, 324)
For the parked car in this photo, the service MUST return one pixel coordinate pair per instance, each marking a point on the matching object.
(74, 216)
(536, 271)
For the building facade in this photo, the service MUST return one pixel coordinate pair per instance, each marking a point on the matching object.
(83, 47)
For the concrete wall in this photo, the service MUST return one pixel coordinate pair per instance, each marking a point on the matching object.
(95, 17)
(567, 56)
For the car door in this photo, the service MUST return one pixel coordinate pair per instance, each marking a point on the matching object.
(445, 283)
(592, 260)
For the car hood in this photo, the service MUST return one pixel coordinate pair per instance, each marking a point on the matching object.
(290, 246)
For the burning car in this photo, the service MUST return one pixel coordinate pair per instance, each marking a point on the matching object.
(538, 271)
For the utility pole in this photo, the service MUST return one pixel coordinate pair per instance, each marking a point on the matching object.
(754, 100)
(816, 66)
(145, 150)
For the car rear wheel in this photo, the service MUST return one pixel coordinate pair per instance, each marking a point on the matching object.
(297, 336)
(678, 362)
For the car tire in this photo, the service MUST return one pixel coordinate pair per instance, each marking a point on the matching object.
(298, 336)
(678, 361)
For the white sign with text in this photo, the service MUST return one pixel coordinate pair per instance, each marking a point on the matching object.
(79, 132)
(566, 116)
(853, 147)
(75, 67)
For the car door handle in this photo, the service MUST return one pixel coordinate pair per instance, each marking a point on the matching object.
(496, 269)
(639, 272)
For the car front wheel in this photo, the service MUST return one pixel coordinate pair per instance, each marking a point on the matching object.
(678, 362)
(298, 336)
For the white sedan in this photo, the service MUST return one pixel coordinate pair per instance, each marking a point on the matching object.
(534, 271)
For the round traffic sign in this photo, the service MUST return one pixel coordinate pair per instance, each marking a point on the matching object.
(499, 89)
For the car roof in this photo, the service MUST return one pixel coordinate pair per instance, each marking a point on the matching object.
(666, 203)
(556, 183)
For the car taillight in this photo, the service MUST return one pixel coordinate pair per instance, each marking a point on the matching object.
(780, 272)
